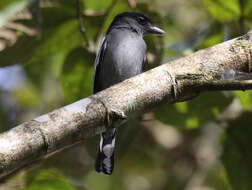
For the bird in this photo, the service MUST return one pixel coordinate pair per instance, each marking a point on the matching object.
(121, 55)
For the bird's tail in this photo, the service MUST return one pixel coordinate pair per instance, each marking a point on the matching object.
(105, 157)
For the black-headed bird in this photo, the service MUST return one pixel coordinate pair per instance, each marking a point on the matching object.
(121, 55)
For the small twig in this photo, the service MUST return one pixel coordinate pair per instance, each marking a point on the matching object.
(228, 85)
(80, 20)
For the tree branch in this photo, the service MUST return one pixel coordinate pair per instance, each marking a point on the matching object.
(180, 80)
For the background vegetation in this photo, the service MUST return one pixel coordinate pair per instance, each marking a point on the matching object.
(46, 62)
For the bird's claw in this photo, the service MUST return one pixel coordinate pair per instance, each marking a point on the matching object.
(117, 114)
(113, 114)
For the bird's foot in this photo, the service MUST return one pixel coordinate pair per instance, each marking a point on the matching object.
(113, 114)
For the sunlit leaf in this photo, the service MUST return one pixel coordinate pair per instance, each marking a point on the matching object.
(224, 11)
(27, 96)
(214, 36)
(50, 179)
(245, 99)
(194, 113)
(103, 5)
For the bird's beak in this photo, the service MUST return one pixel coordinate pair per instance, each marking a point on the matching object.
(155, 30)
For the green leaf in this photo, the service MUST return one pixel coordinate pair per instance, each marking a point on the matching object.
(237, 154)
(217, 178)
(58, 42)
(20, 52)
(52, 49)
(224, 11)
(52, 17)
(120, 6)
(248, 9)
(50, 179)
(92, 29)
(194, 113)
(245, 99)
(215, 36)
(27, 96)
(105, 183)
(76, 76)
(211, 40)
(91, 5)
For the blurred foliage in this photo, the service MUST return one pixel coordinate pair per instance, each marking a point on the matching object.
(47, 180)
(237, 155)
(196, 112)
(76, 71)
(245, 99)
(43, 38)
(230, 10)
(9, 8)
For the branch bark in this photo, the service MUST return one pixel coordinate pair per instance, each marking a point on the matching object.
(214, 68)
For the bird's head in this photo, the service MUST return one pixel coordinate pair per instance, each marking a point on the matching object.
(135, 21)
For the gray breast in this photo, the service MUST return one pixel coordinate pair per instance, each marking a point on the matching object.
(124, 56)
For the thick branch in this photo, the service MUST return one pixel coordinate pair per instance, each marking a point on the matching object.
(176, 81)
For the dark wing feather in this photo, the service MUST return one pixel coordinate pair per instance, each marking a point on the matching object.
(97, 65)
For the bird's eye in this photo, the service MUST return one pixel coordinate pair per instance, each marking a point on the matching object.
(141, 20)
